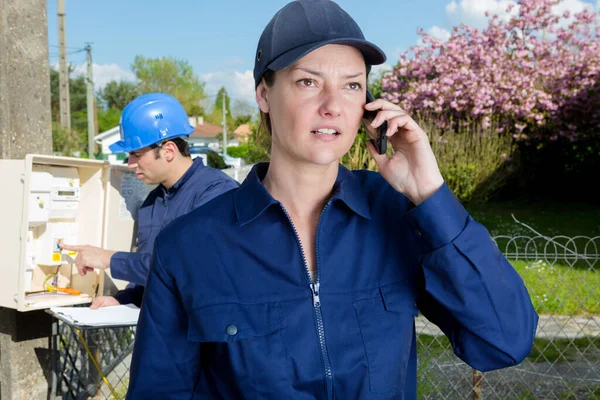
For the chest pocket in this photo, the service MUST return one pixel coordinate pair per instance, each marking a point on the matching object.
(387, 328)
(242, 344)
(232, 322)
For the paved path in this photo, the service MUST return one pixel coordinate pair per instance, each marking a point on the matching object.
(549, 327)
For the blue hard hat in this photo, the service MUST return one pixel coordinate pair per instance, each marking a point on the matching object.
(303, 26)
(150, 119)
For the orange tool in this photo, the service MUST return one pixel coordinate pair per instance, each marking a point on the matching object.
(67, 290)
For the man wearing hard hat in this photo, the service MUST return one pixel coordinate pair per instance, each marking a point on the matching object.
(154, 130)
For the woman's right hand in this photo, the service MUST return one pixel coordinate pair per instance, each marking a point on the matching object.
(412, 170)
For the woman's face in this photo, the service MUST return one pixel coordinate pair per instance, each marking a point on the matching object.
(316, 105)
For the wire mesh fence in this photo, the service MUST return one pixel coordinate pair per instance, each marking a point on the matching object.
(92, 363)
(561, 274)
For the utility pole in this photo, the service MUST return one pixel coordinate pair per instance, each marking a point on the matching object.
(63, 72)
(224, 125)
(90, 103)
(25, 128)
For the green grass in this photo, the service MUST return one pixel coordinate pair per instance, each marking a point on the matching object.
(545, 217)
(565, 350)
(435, 345)
(527, 395)
(554, 286)
(561, 289)
(594, 395)
(429, 348)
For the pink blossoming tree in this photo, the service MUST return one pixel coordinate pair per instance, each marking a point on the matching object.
(536, 76)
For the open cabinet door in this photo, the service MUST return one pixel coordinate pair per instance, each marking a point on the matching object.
(49, 201)
(124, 196)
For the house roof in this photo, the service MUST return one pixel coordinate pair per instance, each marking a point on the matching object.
(243, 130)
(107, 134)
(207, 130)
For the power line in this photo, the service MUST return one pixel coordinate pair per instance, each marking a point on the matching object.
(68, 47)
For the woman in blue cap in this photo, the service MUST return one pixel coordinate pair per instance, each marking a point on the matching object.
(307, 284)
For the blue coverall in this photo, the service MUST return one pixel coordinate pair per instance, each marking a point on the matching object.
(231, 312)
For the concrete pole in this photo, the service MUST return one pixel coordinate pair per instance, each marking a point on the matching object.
(25, 120)
(63, 70)
(90, 103)
(25, 127)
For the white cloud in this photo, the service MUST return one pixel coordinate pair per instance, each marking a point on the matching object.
(104, 73)
(239, 85)
(377, 69)
(108, 72)
(439, 33)
(436, 32)
(472, 12)
(451, 8)
(574, 7)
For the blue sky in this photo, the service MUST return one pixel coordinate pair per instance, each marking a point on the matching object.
(219, 38)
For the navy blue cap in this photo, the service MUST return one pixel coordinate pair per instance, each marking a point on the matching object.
(303, 26)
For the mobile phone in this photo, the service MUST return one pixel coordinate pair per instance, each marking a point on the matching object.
(380, 142)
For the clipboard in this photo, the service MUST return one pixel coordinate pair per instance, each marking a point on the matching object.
(106, 317)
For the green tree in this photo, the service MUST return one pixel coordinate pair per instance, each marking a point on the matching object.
(242, 112)
(77, 94)
(170, 75)
(108, 119)
(62, 141)
(117, 94)
(216, 116)
(242, 119)
(54, 95)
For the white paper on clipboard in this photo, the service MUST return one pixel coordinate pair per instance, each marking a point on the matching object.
(121, 315)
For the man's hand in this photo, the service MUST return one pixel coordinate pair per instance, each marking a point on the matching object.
(104, 301)
(89, 257)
